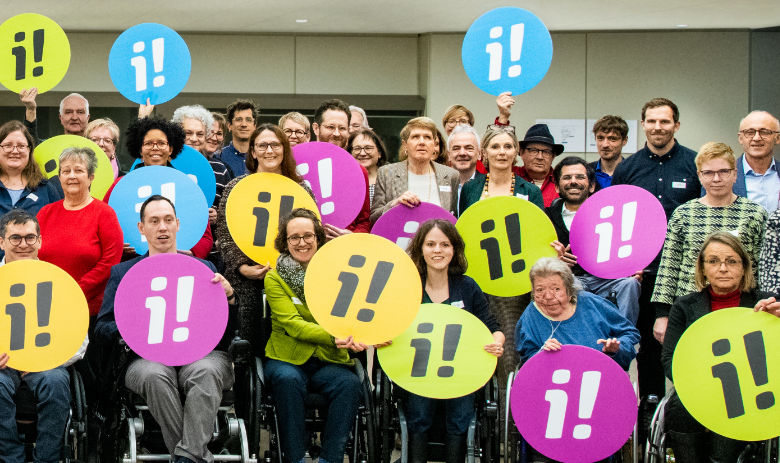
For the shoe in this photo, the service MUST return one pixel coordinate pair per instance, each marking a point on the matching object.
(456, 449)
(181, 459)
(418, 448)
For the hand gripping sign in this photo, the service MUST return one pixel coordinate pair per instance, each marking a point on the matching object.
(149, 61)
(364, 286)
(618, 231)
(255, 206)
(504, 237)
(196, 167)
(35, 53)
(507, 49)
(134, 188)
(168, 310)
(575, 405)
(400, 223)
(442, 353)
(335, 178)
(726, 370)
(47, 156)
(45, 315)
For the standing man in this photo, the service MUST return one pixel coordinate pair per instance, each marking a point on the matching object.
(611, 136)
(74, 113)
(538, 149)
(464, 152)
(758, 178)
(668, 171)
(242, 120)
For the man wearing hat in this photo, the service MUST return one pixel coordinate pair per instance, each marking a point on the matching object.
(538, 149)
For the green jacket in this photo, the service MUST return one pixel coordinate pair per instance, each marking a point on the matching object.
(472, 191)
(295, 335)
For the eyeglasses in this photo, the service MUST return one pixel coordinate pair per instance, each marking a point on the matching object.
(710, 174)
(10, 148)
(295, 239)
(297, 133)
(248, 120)
(16, 240)
(262, 147)
(368, 149)
(730, 263)
(501, 128)
(536, 152)
(333, 128)
(763, 133)
(454, 122)
(158, 144)
(104, 141)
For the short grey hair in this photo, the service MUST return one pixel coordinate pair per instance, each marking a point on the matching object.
(84, 155)
(463, 129)
(74, 95)
(550, 266)
(197, 112)
(362, 113)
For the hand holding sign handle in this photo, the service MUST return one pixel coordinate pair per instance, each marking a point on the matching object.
(770, 306)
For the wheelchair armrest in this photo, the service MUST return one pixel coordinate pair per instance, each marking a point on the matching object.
(240, 351)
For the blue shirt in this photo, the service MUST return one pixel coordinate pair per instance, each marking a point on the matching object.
(762, 188)
(604, 180)
(15, 195)
(235, 159)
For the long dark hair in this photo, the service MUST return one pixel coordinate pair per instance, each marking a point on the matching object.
(458, 264)
(288, 160)
(31, 173)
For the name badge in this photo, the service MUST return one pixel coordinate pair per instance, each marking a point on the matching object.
(734, 232)
(33, 196)
(445, 188)
(679, 185)
(296, 301)
(525, 197)
(458, 304)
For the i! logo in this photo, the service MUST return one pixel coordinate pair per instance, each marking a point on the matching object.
(47, 156)
(400, 223)
(34, 52)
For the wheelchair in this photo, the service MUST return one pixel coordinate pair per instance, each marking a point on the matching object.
(75, 433)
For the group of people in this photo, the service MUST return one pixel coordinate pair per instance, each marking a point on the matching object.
(721, 251)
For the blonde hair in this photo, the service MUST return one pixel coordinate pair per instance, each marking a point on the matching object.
(103, 123)
(297, 118)
(713, 150)
(457, 110)
(748, 282)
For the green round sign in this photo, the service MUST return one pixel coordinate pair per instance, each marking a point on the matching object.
(47, 155)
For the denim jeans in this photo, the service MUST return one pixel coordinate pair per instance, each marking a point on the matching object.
(291, 383)
(458, 412)
(52, 388)
(627, 293)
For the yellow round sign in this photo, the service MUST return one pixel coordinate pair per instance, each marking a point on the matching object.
(441, 355)
(505, 236)
(726, 370)
(35, 53)
(254, 208)
(47, 156)
(364, 286)
(46, 315)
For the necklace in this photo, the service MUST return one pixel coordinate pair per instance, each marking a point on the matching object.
(430, 179)
(486, 194)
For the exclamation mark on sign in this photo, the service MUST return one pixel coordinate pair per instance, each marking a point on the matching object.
(627, 228)
(451, 340)
(515, 47)
(512, 222)
(588, 391)
(44, 290)
(38, 39)
(158, 52)
(183, 303)
(756, 354)
(325, 169)
(378, 283)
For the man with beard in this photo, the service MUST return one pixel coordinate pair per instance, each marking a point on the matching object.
(611, 134)
(242, 120)
(668, 171)
(575, 181)
(758, 178)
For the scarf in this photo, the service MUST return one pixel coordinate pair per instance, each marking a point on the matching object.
(292, 273)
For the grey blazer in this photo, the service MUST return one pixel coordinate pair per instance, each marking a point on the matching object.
(392, 181)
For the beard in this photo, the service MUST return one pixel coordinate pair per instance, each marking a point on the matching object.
(574, 200)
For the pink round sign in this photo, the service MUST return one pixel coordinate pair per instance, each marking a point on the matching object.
(618, 231)
(400, 223)
(335, 178)
(575, 405)
(168, 310)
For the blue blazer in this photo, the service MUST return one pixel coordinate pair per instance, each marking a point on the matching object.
(740, 188)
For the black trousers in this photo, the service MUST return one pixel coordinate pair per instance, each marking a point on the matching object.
(649, 367)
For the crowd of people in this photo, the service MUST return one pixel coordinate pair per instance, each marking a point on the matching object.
(722, 250)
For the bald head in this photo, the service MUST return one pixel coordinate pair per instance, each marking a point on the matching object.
(758, 146)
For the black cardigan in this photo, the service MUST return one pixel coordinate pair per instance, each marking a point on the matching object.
(464, 288)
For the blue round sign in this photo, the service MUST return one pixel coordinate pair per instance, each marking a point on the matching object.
(196, 167)
(507, 49)
(133, 189)
(149, 61)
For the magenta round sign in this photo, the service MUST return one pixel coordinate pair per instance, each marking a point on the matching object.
(618, 231)
(335, 178)
(575, 405)
(168, 310)
(400, 223)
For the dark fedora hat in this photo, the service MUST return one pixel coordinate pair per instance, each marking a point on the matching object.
(540, 133)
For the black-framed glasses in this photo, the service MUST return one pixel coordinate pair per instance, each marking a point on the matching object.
(159, 144)
(501, 128)
(710, 174)
(368, 149)
(9, 148)
(454, 122)
(295, 239)
(536, 151)
(16, 240)
(297, 133)
(763, 133)
(263, 147)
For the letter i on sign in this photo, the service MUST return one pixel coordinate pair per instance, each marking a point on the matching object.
(157, 307)
(495, 50)
(604, 230)
(139, 63)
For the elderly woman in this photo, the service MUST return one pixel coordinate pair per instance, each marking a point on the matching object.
(197, 122)
(303, 357)
(719, 209)
(216, 140)
(358, 121)
(416, 179)
(296, 128)
(368, 149)
(105, 133)
(723, 273)
(456, 115)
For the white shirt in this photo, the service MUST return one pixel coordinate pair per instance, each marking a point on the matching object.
(425, 187)
(460, 187)
(568, 216)
(762, 188)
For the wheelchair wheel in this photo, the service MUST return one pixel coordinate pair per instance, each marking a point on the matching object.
(385, 415)
(655, 447)
(489, 423)
(75, 448)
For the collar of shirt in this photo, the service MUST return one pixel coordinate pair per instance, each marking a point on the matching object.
(669, 154)
(235, 151)
(525, 176)
(749, 170)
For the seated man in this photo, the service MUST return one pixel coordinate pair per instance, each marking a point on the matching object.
(575, 181)
(20, 239)
(186, 428)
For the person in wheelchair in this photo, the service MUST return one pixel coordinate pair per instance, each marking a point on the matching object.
(302, 357)
(437, 251)
(724, 277)
(20, 239)
(187, 428)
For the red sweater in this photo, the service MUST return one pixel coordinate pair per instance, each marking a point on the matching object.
(85, 243)
(362, 224)
(725, 301)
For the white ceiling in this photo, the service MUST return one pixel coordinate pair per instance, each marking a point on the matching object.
(392, 17)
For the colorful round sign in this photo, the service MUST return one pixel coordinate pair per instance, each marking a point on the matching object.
(133, 189)
(618, 231)
(400, 223)
(46, 315)
(149, 61)
(335, 178)
(35, 53)
(363, 286)
(505, 236)
(254, 207)
(47, 156)
(727, 374)
(197, 167)
(575, 405)
(442, 353)
(507, 49)
(168, 310)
